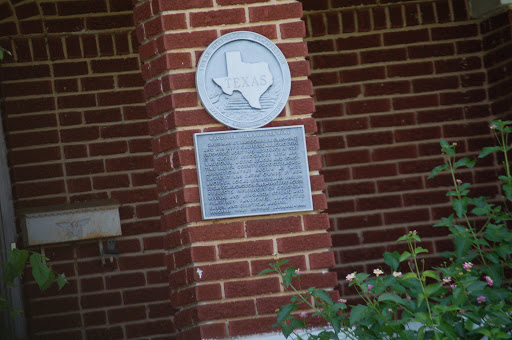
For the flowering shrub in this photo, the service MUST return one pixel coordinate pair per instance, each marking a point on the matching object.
(465, 298)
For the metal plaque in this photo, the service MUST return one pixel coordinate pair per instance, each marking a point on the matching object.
(253, 172)
(243, 80)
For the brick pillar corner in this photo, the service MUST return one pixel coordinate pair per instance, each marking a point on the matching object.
(213, 264)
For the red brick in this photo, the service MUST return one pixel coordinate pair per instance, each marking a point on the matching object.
(125, 280)
(303, 243)
(147, 328)
(141, 295)
(351, 189)
(360, 74)
(224, 271)
(337, 93)
(410, 69)
(397, 152)
(245, 249)
(368, 106)
(37, 172)
(404, 103)
(381, 202)
(321, 260)
(110, 148)
(250, 326)
(226, 310)
(292, 29)
(335, 60)
(371, 171)
(188, 39)
(217, 17)
(214, 232)
(316, 222)
(407, 216)
(431, 50)
(275, 12)
(139, 262)
(435, 84)
(378, 56)
(462, 97)
(387, 88)
(418, 134)
(253, 287)
(358, 42)
(101, 300)
(458, 65)
(395, 16)
(348, 21)
(367, 220)
(266, 227)
(347, 157)
(406, 37)
(366, 139)
(95, 318)
(172, 5)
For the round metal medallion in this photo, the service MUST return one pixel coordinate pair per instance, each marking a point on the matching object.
(243, 80)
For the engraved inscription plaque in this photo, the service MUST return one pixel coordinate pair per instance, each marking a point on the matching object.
(243, 80)
(253, 172)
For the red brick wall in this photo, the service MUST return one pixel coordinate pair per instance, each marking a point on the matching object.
(76, 128)
(228, 299)
(389, 81)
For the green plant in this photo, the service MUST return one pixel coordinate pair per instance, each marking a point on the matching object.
(14, 268)
(465, 298)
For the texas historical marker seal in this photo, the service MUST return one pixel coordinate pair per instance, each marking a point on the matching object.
(243, 80)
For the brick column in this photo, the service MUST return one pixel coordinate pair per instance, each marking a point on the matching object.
(227, 299)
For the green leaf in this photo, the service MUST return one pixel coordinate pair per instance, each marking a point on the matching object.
(462, 246)
(488, 150)
(445, 222)
(323, 295)
(405, 255)
(284, 312)
(392, 297)
(409, 275)
(460, 206)
(357, 313)
(266, 271)
(289, 275)
(40, 271)
(437, 170)
(432, 289)
(61, 281)
(508, 191)
(420, 250)
(461, 162)
(431, 274)
(392, 259)
(295, 323)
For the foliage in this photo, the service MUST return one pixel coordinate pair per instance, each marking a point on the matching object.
(14, 268)
(465, 298)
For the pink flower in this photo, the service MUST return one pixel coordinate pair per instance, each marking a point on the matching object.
(351, 276)
(342, 300)
(490, 282)
(408, 297)
(492, 127)
(447, 280)
(370, 287)
(397, 274)
(303, 314)
(390, 310)
(480, 299)
(298, 271)
(459, 182)
(467, 266)
(378, 272)
(452, 286)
